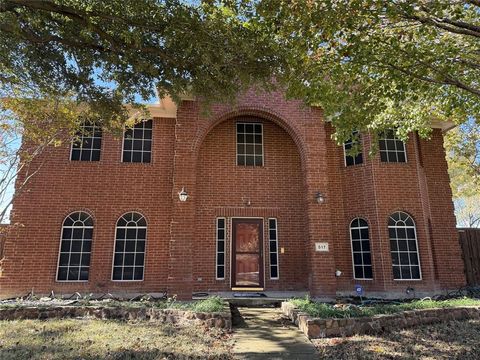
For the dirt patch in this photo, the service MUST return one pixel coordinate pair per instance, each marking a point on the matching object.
(449, 340)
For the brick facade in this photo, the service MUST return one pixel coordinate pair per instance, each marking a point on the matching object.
(197, 152)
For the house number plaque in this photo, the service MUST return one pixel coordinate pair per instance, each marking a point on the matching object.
(321, 246)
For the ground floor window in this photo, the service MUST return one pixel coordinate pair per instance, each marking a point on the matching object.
(361, 256)
(404, 247)
(220, 255)
(75, 247)
(130, 239)
(273, 248)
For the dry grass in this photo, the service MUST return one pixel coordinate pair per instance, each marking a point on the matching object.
(98, 339)
(450, 340)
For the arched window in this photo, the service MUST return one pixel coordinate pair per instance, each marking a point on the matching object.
(129, 256)
(361, 256)
(75, 247)
(404, 247)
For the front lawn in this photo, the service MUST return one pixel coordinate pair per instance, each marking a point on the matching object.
(451, 340)
(100, 339)
(323, 310)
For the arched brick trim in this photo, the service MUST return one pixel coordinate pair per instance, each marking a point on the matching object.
(79, 209)
(261, 112)
(134, 210)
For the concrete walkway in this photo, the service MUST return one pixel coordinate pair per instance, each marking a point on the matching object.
(262, 334)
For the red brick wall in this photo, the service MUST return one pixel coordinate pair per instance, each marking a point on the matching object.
(274, 190)
(197, 151)
(106, 189)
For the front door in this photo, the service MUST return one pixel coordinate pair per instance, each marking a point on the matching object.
(247, 253)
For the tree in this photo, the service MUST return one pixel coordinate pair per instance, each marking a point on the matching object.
(29, 127)
(467, 211)
(135, 46)
(64, 61)
(373, 65)
(463, 156)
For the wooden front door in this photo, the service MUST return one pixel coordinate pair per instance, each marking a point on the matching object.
(247, 262)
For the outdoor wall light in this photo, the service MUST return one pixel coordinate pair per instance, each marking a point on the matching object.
(320, 197)
(338, 273)
(182, 195)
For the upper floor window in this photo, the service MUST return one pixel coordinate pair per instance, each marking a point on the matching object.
(362, 258)
(250, 144)
(129, 256)
(404, 247)
(87, 143)
(75, 247)
(392, 149)
(354, 141)
(137, 143)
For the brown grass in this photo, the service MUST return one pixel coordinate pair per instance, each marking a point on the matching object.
(450, 340)
(98, 339)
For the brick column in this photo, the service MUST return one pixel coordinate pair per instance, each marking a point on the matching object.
(322, 281)
(182, 228)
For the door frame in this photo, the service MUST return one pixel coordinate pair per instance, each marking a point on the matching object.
(233, 264)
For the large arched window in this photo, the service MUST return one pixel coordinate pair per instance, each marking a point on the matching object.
(129, 256)
(361, 256)
(404, 247)
(75, 247)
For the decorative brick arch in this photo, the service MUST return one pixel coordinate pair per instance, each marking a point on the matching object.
(267, 114)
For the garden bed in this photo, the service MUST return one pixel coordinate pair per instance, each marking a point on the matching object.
(318, 320)
(211, 312)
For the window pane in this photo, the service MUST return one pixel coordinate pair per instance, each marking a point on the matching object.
(360, 247)
(241, 160)
(368, 272)
(273, 248)
(130, 254)
(220, 272)
(356, 246)
(250, 144)
(349, 159)
(391, 148)
(359, 272)
(137, 145)
(74, 253)
(404, 246)
(87, 143)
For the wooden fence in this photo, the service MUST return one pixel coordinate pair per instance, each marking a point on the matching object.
(470, 243)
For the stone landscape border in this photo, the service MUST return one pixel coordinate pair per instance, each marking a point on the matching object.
(316, 328)
(221, 320)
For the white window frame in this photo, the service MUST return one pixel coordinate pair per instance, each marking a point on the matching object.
(414, 227)
(361, 246)
(82, 137)
(217, 240)
(70, 252)
(396, 151)
(135, 252)
(352, 142)
(143, 142)
(245, 143)
(270, 252)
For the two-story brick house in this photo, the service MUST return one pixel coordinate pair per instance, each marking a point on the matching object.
(252, 197)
